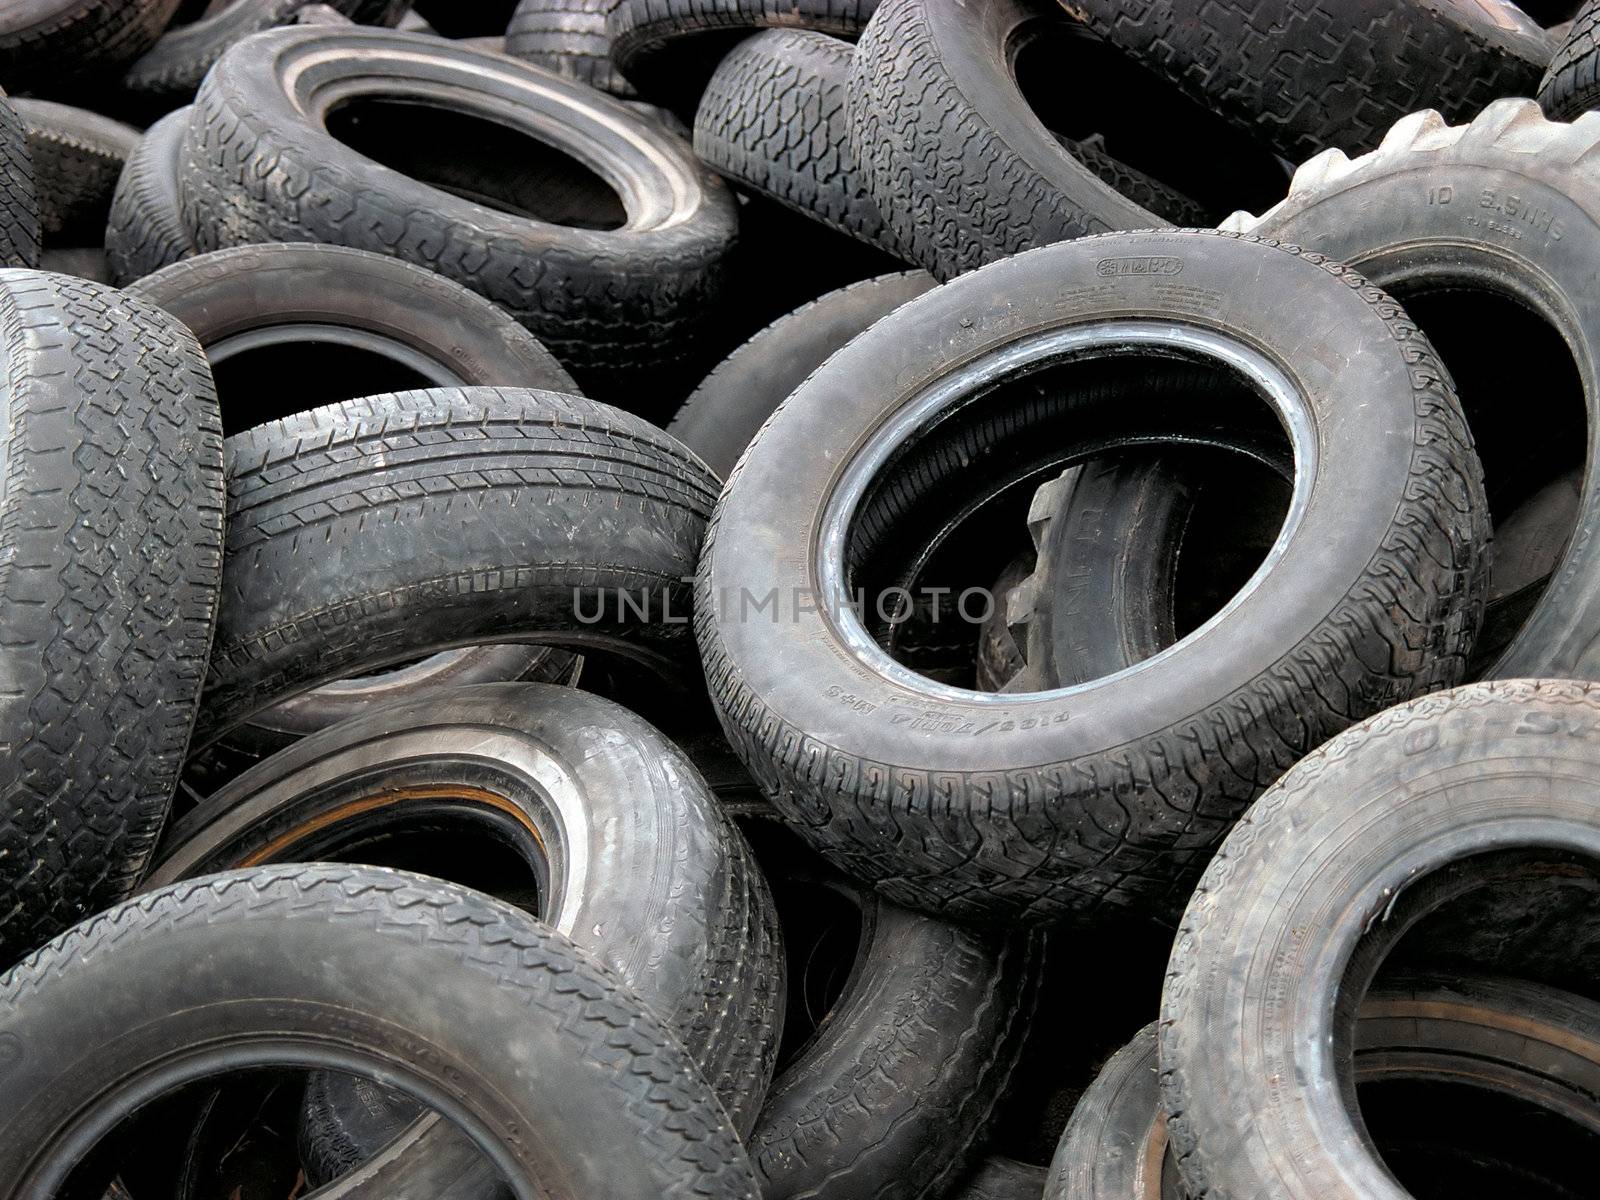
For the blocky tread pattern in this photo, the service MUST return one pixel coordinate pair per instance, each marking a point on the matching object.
(1571, 84)
(75, 38)
(568, 37)
(19, 202)
(145, 230)
(644, 32)
(77, 158)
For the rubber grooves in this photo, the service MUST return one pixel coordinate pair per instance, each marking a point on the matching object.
(145, 230)
(79, 38)
(77, 158)
(1422, 583)
(1308, 74)
(773, 118)
(659, 1098)
(110, 551)
(604, 501)
(568, 37)
(1166, 202)
(643, 31)
(19, 204)
(1571, 84)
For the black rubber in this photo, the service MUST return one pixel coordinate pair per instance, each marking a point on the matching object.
(1498, 215)
(1002, 1179)
(568, 37)
(173, 68)
(618, 843)
(45, 44)
(110, 539)
(145, 229)
(240, 961)
(1571, 84)
(376, 531)
(480, 18)
(1044, 804)
(1308, 74)
(19, 203)
(720, 416)
(77, 156)
(1402, 816)
(917, 1046)
(669, 48)
(773, 119)
(303, 299)
(261, 166)
(953, 156)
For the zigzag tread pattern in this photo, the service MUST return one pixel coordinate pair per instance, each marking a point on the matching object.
(145, 230)
(19, 202)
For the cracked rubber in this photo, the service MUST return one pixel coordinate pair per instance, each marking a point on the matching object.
(48, 43)
(1571, 84)
(1514, 197)
(1305, 75)
(954, 159)
(77, 157)
(1392, 820)
(376, 531)
(110, 552)
(19, 203)
(260, 166)
(1046, 805)
(145, 229)
(568, 37)
(215, 957)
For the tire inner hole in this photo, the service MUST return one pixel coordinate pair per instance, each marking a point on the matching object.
(479, 160)
(267, 382)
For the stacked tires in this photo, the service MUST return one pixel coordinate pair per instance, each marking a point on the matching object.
(656, 598)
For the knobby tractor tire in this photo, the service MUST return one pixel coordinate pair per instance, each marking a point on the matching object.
(111, 496)
(1038, 805)
(215, 957)
(1416, 810)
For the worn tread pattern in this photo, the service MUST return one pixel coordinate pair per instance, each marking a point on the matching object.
(1162, 199)
(71, 39)
(650, 37)
(1571, 84)
(507, 505)
(954, 192)
(773, 119)
(110, 555)
(973, 845)
(661, 1101)
(19, 202)
(145, 230)
(1305, 75)
(78, 156)
(568, 37)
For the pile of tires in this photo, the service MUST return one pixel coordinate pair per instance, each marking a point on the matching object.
(891, 599)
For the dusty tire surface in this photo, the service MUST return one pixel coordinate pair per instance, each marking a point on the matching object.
(111, 538)
(44, 43)
(145, 230)
(77, 158)
(19, 202)
(568, 37)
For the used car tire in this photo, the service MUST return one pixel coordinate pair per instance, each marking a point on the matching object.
(232, 970)
(568, 37)
(1392, 820)
(262, 166)
(887, 773)
(19, 203)
(111, 503)
(77, 158)
(1003, 1179)
(1305, 75)
(1571, 84)
(629, 855)
(955, 160)
(449, 517)
(720, 416)
(145, 230)
(45, 43)
(1505, 213)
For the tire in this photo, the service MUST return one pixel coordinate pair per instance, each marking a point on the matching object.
(417, 497)
(773, 119)
(720, 417)
(918, 1046)
(953, 157)
(1513, 1038)
(568, 37)
(214, 958)
(451, 19)
(145, 230)
(602, 300)
(1369, 213)
(19, 202)
(111, 532)
(1305, 75)
(46, 43)
(1400, 816)
(173, 68)
(1571, 84)
(667, 895)
(77, 157)
(669, 48)
(999, 657)
(819, 731)
(1002, 1179)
